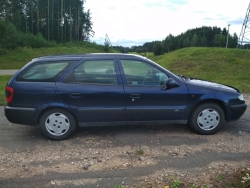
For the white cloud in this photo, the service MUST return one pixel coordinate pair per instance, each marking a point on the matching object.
(148, 20)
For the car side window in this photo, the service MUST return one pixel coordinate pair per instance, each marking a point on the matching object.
(44, 71)
(139, 73)
(96, 72)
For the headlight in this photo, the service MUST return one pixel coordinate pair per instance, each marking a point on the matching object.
(241, 97)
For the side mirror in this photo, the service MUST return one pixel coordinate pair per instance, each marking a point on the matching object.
(171, 83)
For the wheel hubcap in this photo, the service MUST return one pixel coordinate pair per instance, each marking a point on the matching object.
(208, 119)
(57, 124)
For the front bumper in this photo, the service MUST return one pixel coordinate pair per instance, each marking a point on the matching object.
(238, 108)
(236, 111)
(25, 116)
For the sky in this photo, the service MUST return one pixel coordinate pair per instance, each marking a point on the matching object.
(134, 22)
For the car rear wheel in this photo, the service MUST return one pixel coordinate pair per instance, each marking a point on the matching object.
(207, 118)
(57, 124)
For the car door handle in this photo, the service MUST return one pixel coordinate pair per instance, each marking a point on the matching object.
(135, 96)
(75, 94)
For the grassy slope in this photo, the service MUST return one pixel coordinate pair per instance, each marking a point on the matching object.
(227, 66)
(15, 59)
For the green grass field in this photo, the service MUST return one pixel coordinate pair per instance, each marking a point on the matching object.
(227, 66)
(15, 59)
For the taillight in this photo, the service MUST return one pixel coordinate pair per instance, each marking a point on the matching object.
(9, 92)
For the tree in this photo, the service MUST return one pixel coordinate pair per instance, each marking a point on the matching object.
(2, 31)
(157, 49)
(186, 42)
(87, 27)
(194, 40)
(10, 37)
(57, 20)
(17, 20)
(233, 41)
(203, 36)
(168, 43)
(224, 31)
(219, 40)
(149, 45)
(203, 41)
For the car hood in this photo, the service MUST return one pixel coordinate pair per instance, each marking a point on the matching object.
(208, 84)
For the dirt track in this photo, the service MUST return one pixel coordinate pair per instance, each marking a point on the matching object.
(140, 156)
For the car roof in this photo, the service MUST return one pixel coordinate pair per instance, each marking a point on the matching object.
(79, 56)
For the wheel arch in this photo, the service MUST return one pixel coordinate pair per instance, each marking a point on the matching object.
(56, 107)
(216, 101)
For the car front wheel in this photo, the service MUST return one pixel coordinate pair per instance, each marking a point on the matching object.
(207, 118)
(57, 124)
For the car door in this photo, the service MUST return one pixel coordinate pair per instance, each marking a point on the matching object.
(93, 91)
(147, 98)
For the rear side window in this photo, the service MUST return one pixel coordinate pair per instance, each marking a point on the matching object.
(44, 71)
(95, 72)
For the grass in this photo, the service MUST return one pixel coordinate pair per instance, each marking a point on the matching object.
(226, 66)
(120, 186)
(15, 59)
(139, 151)
(175, 183)
(241, 180)
(220, 178)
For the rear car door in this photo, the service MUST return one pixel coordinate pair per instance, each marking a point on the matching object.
(93, 91)
(147, 99)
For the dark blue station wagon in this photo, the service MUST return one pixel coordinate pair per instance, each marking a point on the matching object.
(60, 93)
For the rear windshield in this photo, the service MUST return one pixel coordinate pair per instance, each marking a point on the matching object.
(44, 71)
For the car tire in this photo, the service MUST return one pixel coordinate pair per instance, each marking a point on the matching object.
(57, 124)
(207, 118)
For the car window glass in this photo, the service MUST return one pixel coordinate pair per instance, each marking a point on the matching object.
(96, 72)
(138, 73)
(43, 71)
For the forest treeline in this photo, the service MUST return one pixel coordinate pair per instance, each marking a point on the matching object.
(40, 23)
(198, 37)
(45, 23)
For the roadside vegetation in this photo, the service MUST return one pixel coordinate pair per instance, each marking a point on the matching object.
(197, 37)
(36, 24)
(226, 66)
(240, 180)
(15, 59)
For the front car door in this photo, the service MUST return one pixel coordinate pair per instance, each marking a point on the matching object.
(147, 98)
(93, 91)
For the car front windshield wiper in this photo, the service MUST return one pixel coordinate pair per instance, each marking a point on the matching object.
(183, 77)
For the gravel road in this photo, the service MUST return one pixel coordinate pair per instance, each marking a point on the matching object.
(132, 156)
(7, 72)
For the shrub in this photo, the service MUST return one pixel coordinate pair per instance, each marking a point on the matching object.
(157, 49)
(9, 36)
